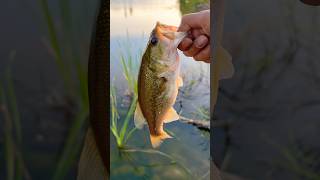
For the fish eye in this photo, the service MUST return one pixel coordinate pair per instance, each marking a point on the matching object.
(154, 40)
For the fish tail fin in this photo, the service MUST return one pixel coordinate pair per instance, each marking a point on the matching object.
(90, 165)
(157, 140)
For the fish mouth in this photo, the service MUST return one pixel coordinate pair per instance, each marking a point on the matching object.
(169, 34)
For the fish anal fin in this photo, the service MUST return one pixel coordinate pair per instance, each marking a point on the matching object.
(170, 116)
(156, 141)
(139, 119)
(224, 61)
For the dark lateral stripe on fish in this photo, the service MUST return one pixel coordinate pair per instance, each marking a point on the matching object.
(98, 74)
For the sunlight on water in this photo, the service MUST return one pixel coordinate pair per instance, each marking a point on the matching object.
(139, 17)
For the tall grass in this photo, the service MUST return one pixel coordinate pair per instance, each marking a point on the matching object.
(121, 134)
(54, 42)
(297, 159)
(129, 66)
(8, 137)
(15, 168)
(69, 60)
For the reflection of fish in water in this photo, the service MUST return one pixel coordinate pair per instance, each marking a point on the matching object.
(158, 82)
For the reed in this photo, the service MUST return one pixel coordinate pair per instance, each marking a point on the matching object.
(69, 60)
(296, 158)
(15, 168)
(122, 133)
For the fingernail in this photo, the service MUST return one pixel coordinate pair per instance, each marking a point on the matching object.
(200, 43)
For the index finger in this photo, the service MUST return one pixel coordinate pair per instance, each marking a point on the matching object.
(193, 20)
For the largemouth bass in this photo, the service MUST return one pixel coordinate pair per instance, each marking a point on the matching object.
(95, 155)
(158, 82)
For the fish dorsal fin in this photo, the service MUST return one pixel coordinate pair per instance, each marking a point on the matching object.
(170, 116)
(156, 141)
(179, 81)
(224, 62)
(139, 119)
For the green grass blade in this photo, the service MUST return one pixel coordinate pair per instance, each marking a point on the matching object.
(14, 108)
(129, 134)
(8, 137)
(65, 14)
(72, 147)
(55, 43)
(115, 132)
(83, 84)
(114, 112)
(128, 117)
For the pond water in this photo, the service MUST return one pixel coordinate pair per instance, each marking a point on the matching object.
(130, 24)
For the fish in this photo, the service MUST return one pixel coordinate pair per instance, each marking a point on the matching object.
(95, 155)
(158, 82)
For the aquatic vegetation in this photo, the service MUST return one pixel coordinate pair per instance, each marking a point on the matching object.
(122, 134)
(190, 6)
(203, 113)
(69, 59)
(129, 67)
(15, 168)
(298, 158)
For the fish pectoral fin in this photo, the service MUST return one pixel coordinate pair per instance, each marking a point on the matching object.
(179, 81)
(139, 119)
(170, 116)
(224, 59)
(156, 141)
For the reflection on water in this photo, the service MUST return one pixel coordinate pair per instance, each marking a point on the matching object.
(139, 17)
(130, 24)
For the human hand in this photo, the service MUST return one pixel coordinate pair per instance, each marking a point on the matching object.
(197, 43)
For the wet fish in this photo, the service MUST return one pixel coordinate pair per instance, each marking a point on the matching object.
(95, 155)
(158, 82)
